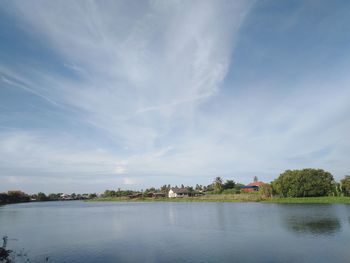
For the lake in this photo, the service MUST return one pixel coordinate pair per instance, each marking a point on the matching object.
(76, 231)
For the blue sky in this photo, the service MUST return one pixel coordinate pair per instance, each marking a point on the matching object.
(109, 94)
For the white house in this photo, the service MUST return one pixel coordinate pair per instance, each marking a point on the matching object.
(66, 197)
(178, 192)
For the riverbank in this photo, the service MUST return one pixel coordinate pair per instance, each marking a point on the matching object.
(204, 198)
(311, 200)
(234, 198)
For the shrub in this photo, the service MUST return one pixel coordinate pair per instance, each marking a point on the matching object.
(231, 191)
(304, 183)
(266, 190)
(345, 185)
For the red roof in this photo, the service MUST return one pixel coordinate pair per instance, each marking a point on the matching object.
(256, 184)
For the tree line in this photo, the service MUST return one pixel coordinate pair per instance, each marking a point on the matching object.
(291, 183)
(12, 197)
(307, 183)
(217, 187)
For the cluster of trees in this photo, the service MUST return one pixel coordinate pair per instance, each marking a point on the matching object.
(220, 187)
(344, 186)
(217, 187)
(57, 196)
(306, 183)
(291, 183)
(118, 193)
(14, 197)
(19, 197)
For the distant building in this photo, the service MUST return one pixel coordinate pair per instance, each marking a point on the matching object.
(66, 197)
(252, 187)
(159, 194)
(178, 192)
(182, 192)
(137, 195)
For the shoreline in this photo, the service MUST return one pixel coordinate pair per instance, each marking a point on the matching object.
(234, 199)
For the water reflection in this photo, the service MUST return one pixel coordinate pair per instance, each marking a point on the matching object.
(321, 220)
(323, 226)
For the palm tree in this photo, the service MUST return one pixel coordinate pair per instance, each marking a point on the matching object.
(217, 184)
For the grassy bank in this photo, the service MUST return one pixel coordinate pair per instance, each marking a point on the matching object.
(204, 198)
(234, 198)
(311, 200)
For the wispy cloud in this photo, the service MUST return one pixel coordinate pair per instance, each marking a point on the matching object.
(147, 97)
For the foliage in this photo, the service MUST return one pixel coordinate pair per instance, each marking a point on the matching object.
(42, 197)
(255, 179)
(304, 183)
(13, 197)
(217, 184)
(231, 191)
(199, 187)
(266, 190)
(118, 193)
(205, 198)
(345, 185)
(165, 188)
(229, 184)
(310, 200)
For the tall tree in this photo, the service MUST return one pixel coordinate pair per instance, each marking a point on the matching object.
(217, 184)
(345, 185)
(229, 184)
(256, 179)
(303, 183)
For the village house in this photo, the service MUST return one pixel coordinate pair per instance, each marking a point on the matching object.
(182, 192)
(252, 187)
(66, 197)
(178, 192)
(158, 194)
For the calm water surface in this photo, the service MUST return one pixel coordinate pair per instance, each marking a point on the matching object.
(177, 232)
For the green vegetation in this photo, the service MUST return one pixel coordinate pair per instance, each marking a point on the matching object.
(266, 190)
(345, 185)
(292, 186)
(217, 184)
(254, 197)
(13, 197)
(251, 197)
(304, 183)
(311, 200)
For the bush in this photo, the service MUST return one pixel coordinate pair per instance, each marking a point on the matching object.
(266, 190)
(231, 191)
(304, 183)
(13, 197)
(345, 185)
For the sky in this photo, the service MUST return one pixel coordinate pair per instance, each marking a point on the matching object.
(99, 95)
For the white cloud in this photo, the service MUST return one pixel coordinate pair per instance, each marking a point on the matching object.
(129, 181)
(148, 81)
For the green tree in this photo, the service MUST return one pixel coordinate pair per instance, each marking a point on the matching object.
(345, 185)
(42, 197)
(256, 179)
(304, 183)
(109, 193)
(266, 190)
(217, 184)
(53, 196)
(229, 184)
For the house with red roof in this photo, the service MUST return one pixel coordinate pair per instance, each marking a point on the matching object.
(252, 187)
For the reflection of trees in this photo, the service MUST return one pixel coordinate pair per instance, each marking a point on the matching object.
(322, 226)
